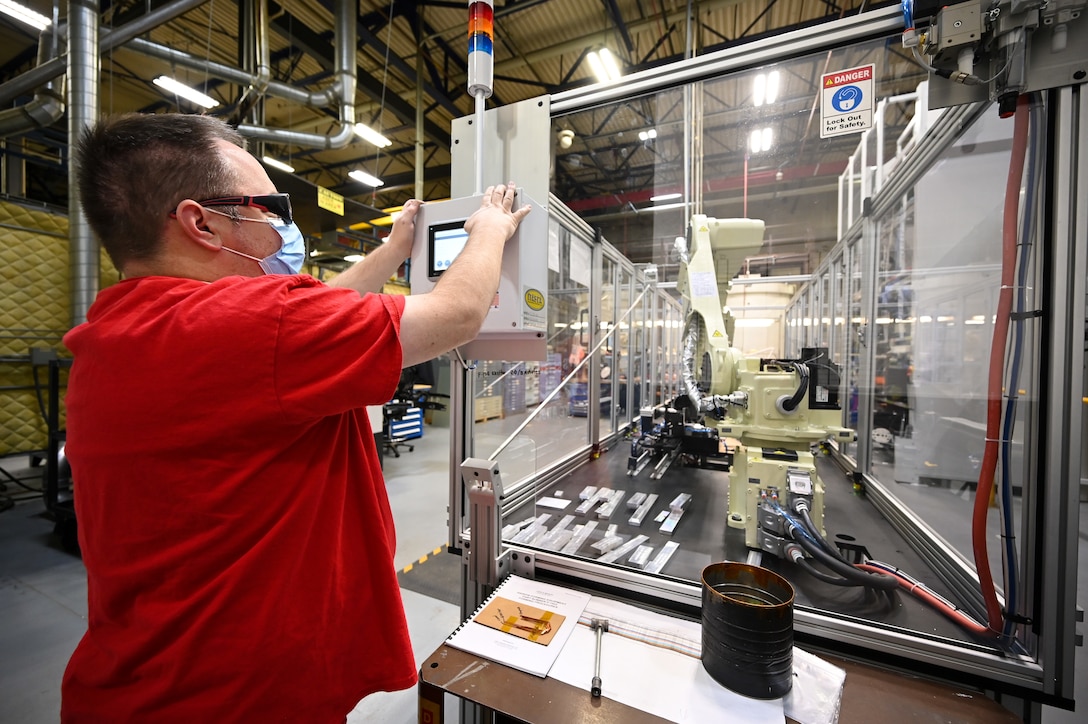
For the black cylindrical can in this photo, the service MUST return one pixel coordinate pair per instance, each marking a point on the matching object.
(747, 621)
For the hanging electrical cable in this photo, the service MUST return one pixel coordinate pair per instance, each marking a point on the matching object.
(1008, 533)
(994, 615)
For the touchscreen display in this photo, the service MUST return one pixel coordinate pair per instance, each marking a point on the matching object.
(445, 242)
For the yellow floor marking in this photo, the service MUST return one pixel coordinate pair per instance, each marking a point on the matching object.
(435, 552)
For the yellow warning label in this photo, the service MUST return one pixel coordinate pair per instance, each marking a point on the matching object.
(330, 201)
(704, 228)
(717, 334)
(534, 300)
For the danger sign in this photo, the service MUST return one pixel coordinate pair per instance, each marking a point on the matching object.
(846, 101)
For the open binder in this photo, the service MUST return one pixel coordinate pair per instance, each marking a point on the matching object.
(523, 624)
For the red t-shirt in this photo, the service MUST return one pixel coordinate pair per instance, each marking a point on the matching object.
(232, 514)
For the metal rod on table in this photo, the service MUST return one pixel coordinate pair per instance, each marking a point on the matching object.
(573, 372)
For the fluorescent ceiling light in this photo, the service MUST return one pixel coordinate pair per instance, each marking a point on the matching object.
(604, 65)
(190, 94)
(665, 197)
(353, 258)
(25, 15)
(278, 164)
(761, 140)
(664, 207)
(367, 133)
(765, 88)
(647, 135)
(772, 86)
(364, 178)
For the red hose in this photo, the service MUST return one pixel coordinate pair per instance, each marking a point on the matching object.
(914, 589)
(997, 367)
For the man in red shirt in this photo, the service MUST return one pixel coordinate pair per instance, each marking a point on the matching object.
(232, 514)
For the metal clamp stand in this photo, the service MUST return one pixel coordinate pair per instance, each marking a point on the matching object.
(486, 564)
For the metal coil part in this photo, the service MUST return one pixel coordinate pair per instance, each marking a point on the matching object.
(747, 620)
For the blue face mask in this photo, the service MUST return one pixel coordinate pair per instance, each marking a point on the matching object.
(288, 259)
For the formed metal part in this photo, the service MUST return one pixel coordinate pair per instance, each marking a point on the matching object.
(643, 510)
(606, 510)
(669, 526)
(662, 557)
(641, 556)
(624, 549)
(580, 537)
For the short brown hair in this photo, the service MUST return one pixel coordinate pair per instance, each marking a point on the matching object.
(134, 169)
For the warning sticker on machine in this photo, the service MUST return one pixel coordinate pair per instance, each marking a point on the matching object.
(534, 316)
(846, 101)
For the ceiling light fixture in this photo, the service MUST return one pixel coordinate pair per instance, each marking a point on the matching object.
(364, 178)
(183, 91)
(761, 140)
(269, 161)
(367, 133)
(765, 88)
(665, 197)
(664, 207)
(24, 14)
(647, 135)
(604, 65)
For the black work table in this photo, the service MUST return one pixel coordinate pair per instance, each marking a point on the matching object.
(869, 695)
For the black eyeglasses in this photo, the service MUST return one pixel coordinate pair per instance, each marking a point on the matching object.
(278, 204)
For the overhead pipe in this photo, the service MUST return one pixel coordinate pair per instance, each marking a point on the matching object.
(316, 99)
(47, 106)
(45, 72)
(83, 80)
(341, 90)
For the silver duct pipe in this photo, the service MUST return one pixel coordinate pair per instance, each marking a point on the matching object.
(687, 363)
(687, 374)
(48, 104)
(342, 89)
(691, 338)
(264, 52)
(83, 79)
(317, 99)
(49, 70)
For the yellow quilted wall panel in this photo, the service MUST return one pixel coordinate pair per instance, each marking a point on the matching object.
(34, 313)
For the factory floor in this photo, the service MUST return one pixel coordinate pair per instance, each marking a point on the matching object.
(43, 591)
